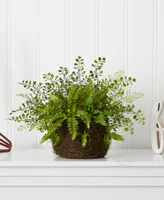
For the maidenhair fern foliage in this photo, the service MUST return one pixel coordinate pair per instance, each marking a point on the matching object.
(76, 96)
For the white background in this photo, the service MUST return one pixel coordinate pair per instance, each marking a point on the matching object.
(36, 36)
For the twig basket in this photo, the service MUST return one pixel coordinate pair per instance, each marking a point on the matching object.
(95, 148)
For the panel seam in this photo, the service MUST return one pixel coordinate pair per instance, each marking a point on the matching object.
(126, 54)
(67, 34)
(9, 127)
(39, 61)
(97, 28)
(155, 51)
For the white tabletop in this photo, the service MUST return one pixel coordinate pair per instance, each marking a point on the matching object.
(45, 157)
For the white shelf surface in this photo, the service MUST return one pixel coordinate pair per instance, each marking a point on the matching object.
(42, 168)
(114, 158)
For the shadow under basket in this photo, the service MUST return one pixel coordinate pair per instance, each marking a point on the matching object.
(95, 147)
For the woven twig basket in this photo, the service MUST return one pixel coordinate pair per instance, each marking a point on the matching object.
(95, 147)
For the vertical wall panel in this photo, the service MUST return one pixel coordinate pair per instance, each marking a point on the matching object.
(3, 66)
(111, 34)
(24, 58)
(140, 63)
(160, 50)
(111, 39)
(53, 35)
(82, 30)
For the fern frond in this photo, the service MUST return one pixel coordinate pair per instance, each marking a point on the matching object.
(84, 139)
(101, 119)
(85, 117)
(73, 96)
(58, 116)
(51, 136)
(89, 92)
(73, 127)
(55, 138)
(45, 137)
(53, 126)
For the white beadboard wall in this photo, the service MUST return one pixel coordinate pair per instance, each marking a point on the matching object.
(36, 36)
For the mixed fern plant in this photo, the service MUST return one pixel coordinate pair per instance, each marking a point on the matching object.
(80, 95)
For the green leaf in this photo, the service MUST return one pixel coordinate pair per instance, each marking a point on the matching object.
(100, 119)
(126, 129)
(107, 139)
(116, 136)
(109, 129)
(84, 139)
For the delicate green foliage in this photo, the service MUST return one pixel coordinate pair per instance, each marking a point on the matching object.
(79, 96)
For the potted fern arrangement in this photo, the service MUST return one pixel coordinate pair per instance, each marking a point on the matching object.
(79, 111)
